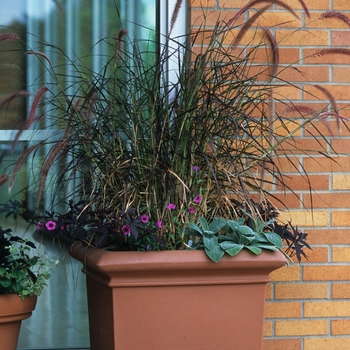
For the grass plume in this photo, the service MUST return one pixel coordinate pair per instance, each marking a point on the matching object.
(337, 15)
(9, 37)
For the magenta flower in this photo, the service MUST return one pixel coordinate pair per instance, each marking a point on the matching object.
(144, 218)
(126, 230)
(191, 210)
(50, 225)
(197, 199)
(40, 225)
(195, 168)
(171, 206)
(159, 224)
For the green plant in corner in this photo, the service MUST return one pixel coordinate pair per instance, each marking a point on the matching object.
(231, 236)
(23, 270)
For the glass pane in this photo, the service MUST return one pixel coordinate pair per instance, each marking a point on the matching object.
(84, 32)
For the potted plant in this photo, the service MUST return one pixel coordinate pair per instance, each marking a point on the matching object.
(23, 275)
(147, 172)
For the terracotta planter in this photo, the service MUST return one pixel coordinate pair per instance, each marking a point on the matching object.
(12, 311)
(175, 299)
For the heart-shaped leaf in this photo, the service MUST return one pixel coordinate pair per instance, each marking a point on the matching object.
(216, 254)
(231, 248)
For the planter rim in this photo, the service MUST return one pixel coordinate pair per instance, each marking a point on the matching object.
(168, 267)
(13, 308)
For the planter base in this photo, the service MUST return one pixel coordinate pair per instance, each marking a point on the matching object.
(176, 299)
(12, 311)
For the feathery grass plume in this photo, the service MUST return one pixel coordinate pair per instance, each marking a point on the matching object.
(300, 109)
(248, 25)
(19, 163)
(37, 53)
(8, 99)
(34, 106)
(118, 45)
(275, 51)
(9, 37)
(305, 8)
(339, 118)
(255, 2)
(332, 114)
(332, 51)
(336, 15)
(54, 152)
(329, 96)
(174, 15)
(31, 117)
(3, 179)
(333, 104)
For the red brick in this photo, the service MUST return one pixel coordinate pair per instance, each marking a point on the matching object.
(301, 290)
(279, 344)
(282, 310)
(327, 200)
(327, 273)
(302, 37)
(341, 290)
(340, 38)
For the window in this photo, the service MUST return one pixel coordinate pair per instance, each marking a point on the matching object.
(82, 29)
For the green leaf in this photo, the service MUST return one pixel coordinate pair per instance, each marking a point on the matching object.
(274, 239)
(231, 248)
(234, 226)
(246, 230)
(267, 247)
(216, 254)
(204, 224)
(254, 249)
(217, 225)
(193, 227)
(210, 242)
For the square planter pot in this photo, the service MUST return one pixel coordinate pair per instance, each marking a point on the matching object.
(175, 299)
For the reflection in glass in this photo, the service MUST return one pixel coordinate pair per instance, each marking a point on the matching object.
(85, 31)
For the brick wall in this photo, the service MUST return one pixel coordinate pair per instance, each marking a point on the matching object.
(308, 305)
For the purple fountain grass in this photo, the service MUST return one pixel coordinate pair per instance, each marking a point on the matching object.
(19, 163)
(52, 156)
(175, 14)
(248, 24)
(336, 15)
(252, 3)
(118, 45)
(329, 96)
(332, 51)
(9, 37)
(31, 117)
(275, 51)
(37, 53)
(3, 179)
(17, 94)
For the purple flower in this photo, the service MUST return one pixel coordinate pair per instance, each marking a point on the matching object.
(191, 210)
(144, 218)
(197, 199)
(50, 225)
(148, 247)
(126, 230)
(195, 168)
(40, 225)
(159, 224)
(171, 206)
